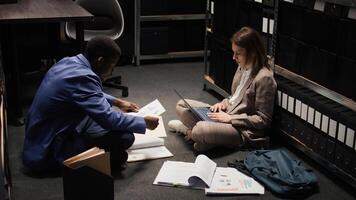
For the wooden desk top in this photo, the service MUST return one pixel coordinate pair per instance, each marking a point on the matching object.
(26, 11)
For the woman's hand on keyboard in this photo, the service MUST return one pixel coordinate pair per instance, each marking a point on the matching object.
(218, 107)
(220, 117)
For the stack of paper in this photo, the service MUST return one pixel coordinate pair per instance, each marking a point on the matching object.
(150, 145)
(147, 147)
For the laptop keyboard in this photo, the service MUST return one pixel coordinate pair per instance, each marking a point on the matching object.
(203, 113)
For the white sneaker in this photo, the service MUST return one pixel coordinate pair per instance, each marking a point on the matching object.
(177, 126)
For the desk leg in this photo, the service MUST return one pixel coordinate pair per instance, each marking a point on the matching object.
(79, 31)
(12, 76)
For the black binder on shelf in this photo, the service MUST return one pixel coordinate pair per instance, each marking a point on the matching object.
(286, 122)
(288, 25)
(287, 53)
(268, 3)
(336, 9)
(311, 22)
(255, 17)
(346, 69)
(243, 15)
(328, 28)
(317, 64)
(305, 3)
(347, 38)
(219, 18)
(87, 183)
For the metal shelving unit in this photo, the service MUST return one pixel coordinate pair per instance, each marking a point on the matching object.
(280, 70)
(156, 18)
(315, 87)
(332, 166)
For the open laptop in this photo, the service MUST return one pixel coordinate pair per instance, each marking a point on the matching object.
(201, 113)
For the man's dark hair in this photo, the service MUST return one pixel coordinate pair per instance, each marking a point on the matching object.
(102, 46)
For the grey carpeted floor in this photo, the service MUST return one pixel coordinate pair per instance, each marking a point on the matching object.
(145, 84)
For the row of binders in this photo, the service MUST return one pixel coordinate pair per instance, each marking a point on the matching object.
(316, 40)
(325, 127)
(326, 118)
(331, 33)
(230, 16)
(317, 64)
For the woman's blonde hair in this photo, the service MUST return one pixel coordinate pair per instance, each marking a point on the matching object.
(249, 39)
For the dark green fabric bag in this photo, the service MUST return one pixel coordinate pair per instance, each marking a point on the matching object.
(281, 174)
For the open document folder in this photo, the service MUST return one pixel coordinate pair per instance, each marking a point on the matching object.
(154, 108)
(147, 147)
(203, 174)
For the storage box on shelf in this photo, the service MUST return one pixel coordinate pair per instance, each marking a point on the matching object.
(177, 26)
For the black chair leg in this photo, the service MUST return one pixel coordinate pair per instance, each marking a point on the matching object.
(115, 82)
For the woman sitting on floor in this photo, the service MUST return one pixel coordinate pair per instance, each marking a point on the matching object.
(247, 112)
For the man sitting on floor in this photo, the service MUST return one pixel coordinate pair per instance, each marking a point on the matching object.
(70, 112)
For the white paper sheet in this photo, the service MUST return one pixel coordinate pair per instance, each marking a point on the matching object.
(317, 120)
(298, 107)
(304, 112)
(311, 115)
(291, 104)
(284, 100)
(350, 137)
(324, 123)
(144, 141)
(230, 181)
(341, 133)
(332, 128)
(153, 108)
(148, 153)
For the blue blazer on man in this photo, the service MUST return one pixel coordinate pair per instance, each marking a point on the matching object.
(69, 92)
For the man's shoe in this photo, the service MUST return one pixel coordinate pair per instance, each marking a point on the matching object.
(177, 126)
(199, 147)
